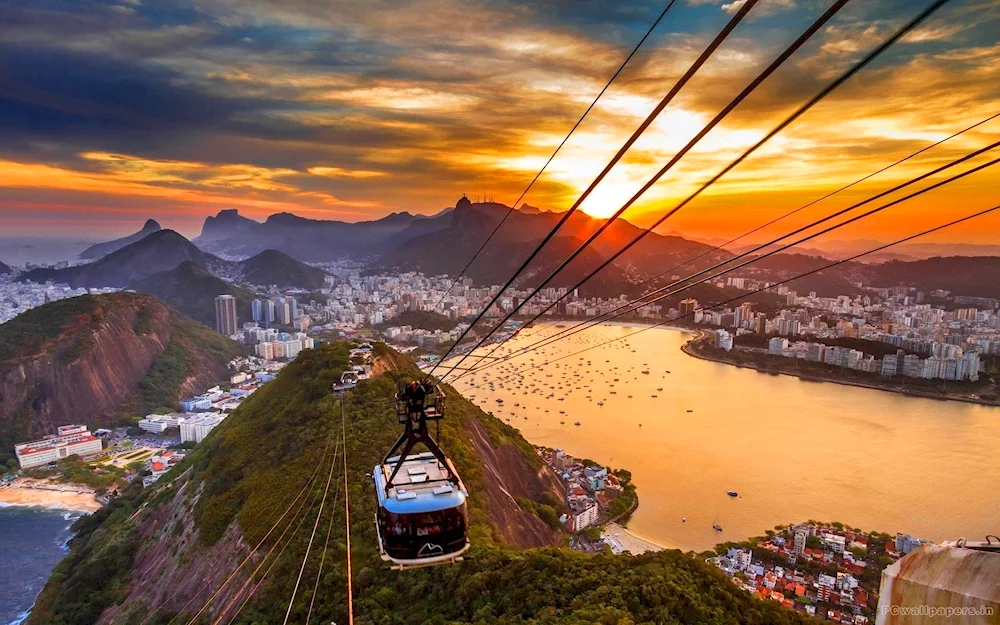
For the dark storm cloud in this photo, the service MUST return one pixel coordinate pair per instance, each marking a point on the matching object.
(95, 101)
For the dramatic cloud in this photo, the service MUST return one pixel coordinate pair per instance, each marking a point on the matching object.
(115, 111)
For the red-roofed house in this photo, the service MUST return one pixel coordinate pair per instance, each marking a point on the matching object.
(861, 597)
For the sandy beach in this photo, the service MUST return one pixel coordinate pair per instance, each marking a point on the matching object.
(49, 495)
(622, 540)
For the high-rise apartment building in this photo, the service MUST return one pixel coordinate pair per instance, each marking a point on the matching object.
(225, 315)
(688, 307)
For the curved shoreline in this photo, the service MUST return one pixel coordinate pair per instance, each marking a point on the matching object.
(50, 499)
(807, 377)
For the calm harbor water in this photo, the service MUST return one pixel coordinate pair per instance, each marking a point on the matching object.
(794, 450)
(32, 541)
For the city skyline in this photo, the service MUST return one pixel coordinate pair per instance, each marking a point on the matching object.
(288, 108)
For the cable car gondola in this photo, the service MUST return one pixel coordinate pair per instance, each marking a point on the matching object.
(422, 516)
(348, 380)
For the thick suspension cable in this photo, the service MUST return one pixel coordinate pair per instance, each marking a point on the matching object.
(722, 246)
(304, 510)
(772, 286)
(347, 524)
(756, 82)
(305, 558)
(665, 291)
(263, 578)
(559, 147)
(250, 555)
(837, 226)
(791, 118)
(235, 571)
(733, 22)
(326, 544)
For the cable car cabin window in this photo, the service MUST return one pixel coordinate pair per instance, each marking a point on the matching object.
(404, 534)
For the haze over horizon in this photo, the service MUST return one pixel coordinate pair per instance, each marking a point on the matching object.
(118, 111)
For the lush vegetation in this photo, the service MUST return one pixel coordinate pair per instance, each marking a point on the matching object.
(34, 332)
(143, 320)
(205, 340)
(272, 267)
(628, 500)
(546, 509)
(159, 391)
(161, 385)
(74, 470)
(428, 320)
(192, 290)
(68, 330)
(27, 333)
(255, 463)
(963, 275)
(878, 349)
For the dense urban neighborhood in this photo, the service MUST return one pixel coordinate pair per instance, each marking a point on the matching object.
(595, 495)
(825, 570)
(934, 335)
(927, 341)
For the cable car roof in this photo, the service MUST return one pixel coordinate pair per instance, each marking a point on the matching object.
(422, 485)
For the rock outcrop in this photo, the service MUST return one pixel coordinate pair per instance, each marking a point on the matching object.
(80, 360)
(100, 250)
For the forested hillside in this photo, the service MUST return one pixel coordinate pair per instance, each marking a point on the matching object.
(94, 358)
(192, 290)
(152, 556)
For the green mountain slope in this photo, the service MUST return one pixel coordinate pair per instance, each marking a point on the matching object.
(156, 555)
(192, 290)
(430, 321)
(277, 268)
(160, 251)
(94, 358)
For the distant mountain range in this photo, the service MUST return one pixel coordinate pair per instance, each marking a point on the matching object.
(160, 251)
(227, 224)
(100, 250)
(961, 275)
(441, 244)
(4, 269)
(449, 249)
(158, 256)
(910, 251)
(312, 240)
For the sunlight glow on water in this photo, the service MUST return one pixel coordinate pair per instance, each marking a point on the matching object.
(794, 450)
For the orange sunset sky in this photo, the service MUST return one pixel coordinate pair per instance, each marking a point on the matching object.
(112, 112)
